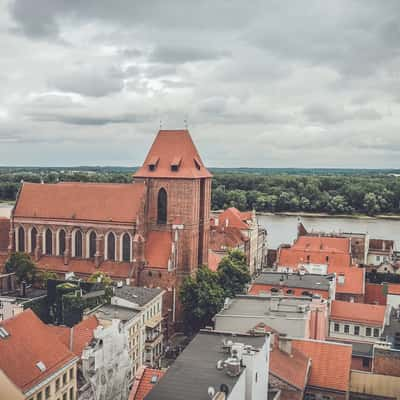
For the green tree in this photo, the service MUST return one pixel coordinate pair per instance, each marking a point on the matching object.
(23, 266)
(233, 273)
(44, 276)
(371, 204)
(100, 277)
(201, 297)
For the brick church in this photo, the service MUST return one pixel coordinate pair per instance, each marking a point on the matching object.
(151, 232)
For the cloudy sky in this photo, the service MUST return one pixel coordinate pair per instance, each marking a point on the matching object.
(278, 83)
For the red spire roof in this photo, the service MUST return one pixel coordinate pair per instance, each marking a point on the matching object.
(173, 155)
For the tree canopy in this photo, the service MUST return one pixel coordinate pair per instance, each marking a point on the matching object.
(201, 297)
(23, 266)
(233, 273)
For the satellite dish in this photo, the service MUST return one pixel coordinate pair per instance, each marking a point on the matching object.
(211, 392)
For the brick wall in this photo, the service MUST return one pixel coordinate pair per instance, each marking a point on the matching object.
(386, 362)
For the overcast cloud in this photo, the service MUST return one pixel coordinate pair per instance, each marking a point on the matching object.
(276, 83)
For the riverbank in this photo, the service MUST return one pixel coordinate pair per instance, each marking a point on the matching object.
(326, 215)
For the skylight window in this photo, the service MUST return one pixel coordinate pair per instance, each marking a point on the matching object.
(41, 366)
(3, 333)
(154, 379)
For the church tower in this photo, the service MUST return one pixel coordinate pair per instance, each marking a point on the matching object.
(178, 196)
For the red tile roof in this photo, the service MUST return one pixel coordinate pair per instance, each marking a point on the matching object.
(143, 382)
(158, 249)
(393, 289)
(213, 260)
(330, 363)
(232, 217)
(168, 147)
(85, 267)
(319, 250)
(30, 341)
(375, 294)
(354, 279)
(4, 231)
(104, 202)
(292, 369)
(222, 239)
(369, 314)
(82, 334)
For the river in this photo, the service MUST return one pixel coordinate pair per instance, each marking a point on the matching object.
(283, 228)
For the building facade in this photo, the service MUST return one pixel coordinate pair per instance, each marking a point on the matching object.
(153, 231)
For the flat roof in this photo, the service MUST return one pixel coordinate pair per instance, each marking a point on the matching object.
(110, 311)
(194, 371)
(261, 305)
(306, 281)
(138, 295)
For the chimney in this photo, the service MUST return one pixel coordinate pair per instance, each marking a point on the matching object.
(23, 289)
(341, 279)
(285, 344)
(71, 338)
(274, 304)
(227, 222)
(216, 221)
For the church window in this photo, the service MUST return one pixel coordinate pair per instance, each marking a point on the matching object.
(49, 242)
(78, 244)
(61, 242)
(162, 207)
(111, 246)
(33, 239)
(126, 247)
(21, 239)
(92, 244)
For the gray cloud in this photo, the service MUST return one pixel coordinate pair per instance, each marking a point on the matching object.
(262, 85)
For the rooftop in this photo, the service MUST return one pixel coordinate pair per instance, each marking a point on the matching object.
(194, 371)
(158, 249)
(354, 279)
(330, 363)
(82, 334)
(145, 381)
(173, 155)
(29, 342)
(291, 368)
(264, 305)
(368, 314)
(30, 293)
(104, 202)
(306, 281)
(232, 217)
(84, 266)
(110, 312)
(138, 295)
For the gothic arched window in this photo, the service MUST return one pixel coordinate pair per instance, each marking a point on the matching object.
(162, 207)
(21, 239)
(61, 242)
(126, 247)
(92, 244)
(111, 246)
(49, 242)
(78, 244)
(33, 239)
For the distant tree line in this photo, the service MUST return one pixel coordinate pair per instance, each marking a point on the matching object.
(287, 190)
(333, 194)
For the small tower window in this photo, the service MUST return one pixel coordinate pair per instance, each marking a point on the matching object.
(78, 244)
(111, 246)
(153, 162)
(21, 239)
(61, 242)
(162, 207)
(49, 242)
(175, 164)
(126, 247)
(33, 239)
(92, 244)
